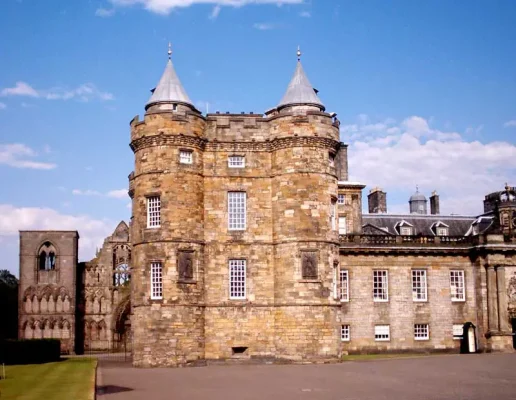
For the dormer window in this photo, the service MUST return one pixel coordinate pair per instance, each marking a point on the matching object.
(236, 162)
(406, 231)
(442, 231)
(186, 157)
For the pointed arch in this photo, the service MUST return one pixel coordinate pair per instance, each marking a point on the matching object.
(47, 255)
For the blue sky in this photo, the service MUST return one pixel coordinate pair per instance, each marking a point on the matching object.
(425, 91)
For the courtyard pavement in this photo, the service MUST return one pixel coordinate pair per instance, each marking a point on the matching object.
(454, 377)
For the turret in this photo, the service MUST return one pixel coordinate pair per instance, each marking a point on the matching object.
(167, 227)
(418, 203)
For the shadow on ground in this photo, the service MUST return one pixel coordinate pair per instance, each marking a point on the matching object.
(110, 389)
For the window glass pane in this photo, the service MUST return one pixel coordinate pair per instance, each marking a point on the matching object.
(382, 332)
(185, 157)
(380, 285)
(236, 162)
(457, 289)
(237, 210)
(344, 333)
(153, 212)
(421, 332)
(237, 278)
(344, 285)
(156, 281)
(419, 290)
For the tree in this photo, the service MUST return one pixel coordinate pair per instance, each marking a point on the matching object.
(9, 301)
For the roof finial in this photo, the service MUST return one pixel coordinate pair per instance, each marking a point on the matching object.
(417, 188)
(169, 52)
(298, 53)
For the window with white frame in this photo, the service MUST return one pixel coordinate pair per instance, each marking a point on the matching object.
(442, 231)
(237, 211)
(382, 333)
(341, 198)
(344, 333)
(156, 281)
(237, 277)
(457, 289)
(342, 226)
(344, 285)
(236, 162)
(406, 231)
(186, 156)
(380, 285)
(421, 332)
(457, 331)
(153, 212)
(333, 212)
(419, 291)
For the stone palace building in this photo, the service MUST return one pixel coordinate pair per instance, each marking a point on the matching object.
(247, 240)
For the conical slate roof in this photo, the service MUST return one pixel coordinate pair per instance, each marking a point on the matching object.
(300, 91)
(169, 89)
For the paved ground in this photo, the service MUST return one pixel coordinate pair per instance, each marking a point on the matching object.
(454, 377)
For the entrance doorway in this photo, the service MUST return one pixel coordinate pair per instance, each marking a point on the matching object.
(513, 321)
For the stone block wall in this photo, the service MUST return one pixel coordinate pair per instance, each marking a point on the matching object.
(401, 312)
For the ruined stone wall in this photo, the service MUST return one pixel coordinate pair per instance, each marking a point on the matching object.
(47, 298)
(401, 312)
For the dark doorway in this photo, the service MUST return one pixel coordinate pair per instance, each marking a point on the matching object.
(513, 321)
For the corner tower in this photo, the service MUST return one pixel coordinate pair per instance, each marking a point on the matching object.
(166, 188)
(305, 143)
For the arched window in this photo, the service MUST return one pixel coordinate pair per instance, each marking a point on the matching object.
(47, 257)
(121, 275)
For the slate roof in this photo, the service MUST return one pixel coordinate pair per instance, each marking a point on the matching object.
(300, 91)
(422, 224)
(169, 89)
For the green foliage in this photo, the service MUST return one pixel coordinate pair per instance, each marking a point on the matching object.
(30, 351)
(9, 302)
(71, 379)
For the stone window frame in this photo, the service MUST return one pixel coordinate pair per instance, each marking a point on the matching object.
(457, 285)
(345, 333)
(381, 292)
(233, 165)
(422, 331)
(156, 222)
(235, 261)
(382, 333)
(156, 265)
(186, 156)
(417, 290)
(341, 198)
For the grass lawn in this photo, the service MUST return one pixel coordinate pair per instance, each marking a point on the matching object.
(70, 379)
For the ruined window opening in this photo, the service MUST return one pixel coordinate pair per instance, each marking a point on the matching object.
(47, 257)
(121, 276)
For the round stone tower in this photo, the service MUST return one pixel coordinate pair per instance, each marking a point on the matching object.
(166, 188)
(305, 141)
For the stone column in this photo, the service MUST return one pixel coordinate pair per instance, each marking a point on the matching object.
(503, 318)
(492, 301)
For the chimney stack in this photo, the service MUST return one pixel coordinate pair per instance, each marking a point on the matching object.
(434, 203)
(377, 201)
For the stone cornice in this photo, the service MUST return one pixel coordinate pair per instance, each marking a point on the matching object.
(204, 144)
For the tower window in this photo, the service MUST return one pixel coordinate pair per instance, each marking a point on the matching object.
(186, 157)
(237, 279)
(47, 257)
(331, 159)
(153, 212)
(236, 162)
(156, 281)
(237, 211)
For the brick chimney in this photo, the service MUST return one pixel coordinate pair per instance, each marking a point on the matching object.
(434, 203)
(377, 201)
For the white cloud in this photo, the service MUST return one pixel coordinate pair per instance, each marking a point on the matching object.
(79, 192)
(305, 14)
(166, 6)
(18, 155)
(104, 12)
(399, 156)
(215, 12)
(92, 231)
(510, 123)
(264, 26)
(3, 106)
(84, 92)
(116, 194)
